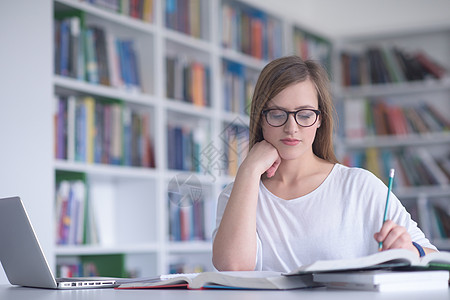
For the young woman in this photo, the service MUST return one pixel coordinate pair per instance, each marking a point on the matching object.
(292, 203)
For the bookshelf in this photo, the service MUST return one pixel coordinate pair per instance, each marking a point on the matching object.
(135, 202)
(394, 118)
(152, 208)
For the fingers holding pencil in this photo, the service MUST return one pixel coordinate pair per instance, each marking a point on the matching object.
(393, 236)
(391, 179)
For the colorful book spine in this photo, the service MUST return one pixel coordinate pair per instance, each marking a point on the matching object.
(69, 44)
(311, 46)
(187, 81)
(251, 31)
(185, 16)
(187, 219)
(365, 117)
(102, 132)
(93, 54)
(185, 146)
(238, 86)
(381, 65)
(236, 140)
(414, 167)
(138, 9)
(71, 208)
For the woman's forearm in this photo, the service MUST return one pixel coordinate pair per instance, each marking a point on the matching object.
(234, 246)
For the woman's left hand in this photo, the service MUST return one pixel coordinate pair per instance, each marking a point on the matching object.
(394, 236)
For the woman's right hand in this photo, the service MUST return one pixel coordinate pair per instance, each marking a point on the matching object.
(263, 157)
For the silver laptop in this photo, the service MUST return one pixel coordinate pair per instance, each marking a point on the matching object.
(22, 257)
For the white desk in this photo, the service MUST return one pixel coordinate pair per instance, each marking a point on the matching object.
(8, 292)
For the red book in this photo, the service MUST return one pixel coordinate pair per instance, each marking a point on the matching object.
(257, 38)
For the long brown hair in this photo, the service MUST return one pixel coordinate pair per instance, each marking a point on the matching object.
(281, 73)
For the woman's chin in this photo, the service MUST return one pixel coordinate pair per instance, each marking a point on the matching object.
(289, 155)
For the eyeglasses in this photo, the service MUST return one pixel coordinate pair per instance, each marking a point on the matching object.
(278, 117)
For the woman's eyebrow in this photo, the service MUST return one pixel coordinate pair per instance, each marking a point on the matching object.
(297, 108)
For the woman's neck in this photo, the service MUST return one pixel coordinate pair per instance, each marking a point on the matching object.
(293, 170)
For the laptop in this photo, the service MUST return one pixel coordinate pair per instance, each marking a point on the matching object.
(23, 259)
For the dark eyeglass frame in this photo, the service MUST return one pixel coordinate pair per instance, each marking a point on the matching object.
(316, 111)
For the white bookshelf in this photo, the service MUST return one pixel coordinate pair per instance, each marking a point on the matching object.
(436, 92)
(137, 197)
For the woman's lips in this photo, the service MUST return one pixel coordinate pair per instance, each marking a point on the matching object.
(290, 142)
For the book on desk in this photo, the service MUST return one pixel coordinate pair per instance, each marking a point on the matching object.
(385, 280)
(402, 266)
(260, 280)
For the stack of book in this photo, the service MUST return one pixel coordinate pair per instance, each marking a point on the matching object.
(385, 280)
(391, 270)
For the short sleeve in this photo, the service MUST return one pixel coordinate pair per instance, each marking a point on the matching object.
(221, 205)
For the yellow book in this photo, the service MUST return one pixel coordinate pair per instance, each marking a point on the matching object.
(372, 161)
(90, 128)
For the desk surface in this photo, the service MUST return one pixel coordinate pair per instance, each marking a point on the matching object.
(22, 293)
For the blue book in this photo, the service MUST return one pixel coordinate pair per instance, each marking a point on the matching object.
(91, 59)
(64, 47)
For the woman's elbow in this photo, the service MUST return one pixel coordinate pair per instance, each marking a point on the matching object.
(222, 264)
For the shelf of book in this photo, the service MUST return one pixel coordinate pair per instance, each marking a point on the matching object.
(393, 103)
(119, 205)
(250, 30)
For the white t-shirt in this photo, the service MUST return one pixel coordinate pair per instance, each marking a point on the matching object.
(335, 221)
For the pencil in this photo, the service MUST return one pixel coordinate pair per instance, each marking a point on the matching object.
(391, 178)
